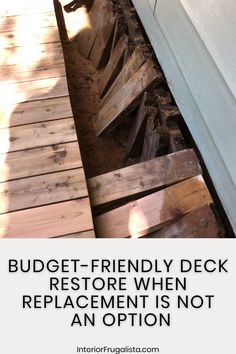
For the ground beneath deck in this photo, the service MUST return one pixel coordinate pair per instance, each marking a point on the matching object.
(99, 155)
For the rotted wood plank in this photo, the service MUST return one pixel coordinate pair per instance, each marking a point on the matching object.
(153, 212)
(17, 39)
(201, 223)
(168, 114)
(48, 221)
(143, 177)
(133, 64)
(101, 49)
(35, 112)
(126, 99)
(137, 131)
(47, 19)
(43, 70)
(42, 190)
(177, 142)
(38, 161)
(114, 65)
(34, 90)
(37, 135)
(156, 137)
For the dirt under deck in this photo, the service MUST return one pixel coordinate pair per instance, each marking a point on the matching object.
(99, 155)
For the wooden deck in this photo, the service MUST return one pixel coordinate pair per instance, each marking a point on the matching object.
(43, 190)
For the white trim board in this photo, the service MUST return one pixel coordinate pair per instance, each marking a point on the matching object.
(201, 87)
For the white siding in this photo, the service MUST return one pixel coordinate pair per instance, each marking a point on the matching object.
(195, 42)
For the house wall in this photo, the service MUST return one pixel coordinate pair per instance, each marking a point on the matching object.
(195, 42)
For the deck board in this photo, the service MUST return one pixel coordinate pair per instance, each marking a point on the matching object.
(36, 135)
(15, 38)
(48, 221)
(39, 161)
(33, 90)
(43, 189)
(21, 22)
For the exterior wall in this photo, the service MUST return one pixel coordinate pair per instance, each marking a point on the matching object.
(195, 42)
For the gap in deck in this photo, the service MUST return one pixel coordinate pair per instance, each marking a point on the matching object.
(99, 155)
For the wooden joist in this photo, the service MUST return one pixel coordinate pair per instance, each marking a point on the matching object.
(16, 39)
(100, 51)
(42, 190)
(48, 221)
(201, 223)
(39, 161)
(137, 131)
(34, 90)
(35, 112)
(126, 99)
(152, 140)
(133, 64)
(36, 135)
(177, 142)
(153, 212)
(143, 177)
(113, 66)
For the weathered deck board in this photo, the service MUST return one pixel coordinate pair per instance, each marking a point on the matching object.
(15, 38)
(132, 65)
(31, 54)
(104, 36)
(201, 223)
(143, 177)
(113, 111)
(48, 221)
(24, 21)
(41, 190)
(36, 135)
(39, 161)
(34, 90)
(44, 70)
(111, 67)
(84, 234)
(153, 212)
(23, 7)
(35, 112)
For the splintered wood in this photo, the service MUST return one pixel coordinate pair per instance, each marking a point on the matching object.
(122, 102)
(112, 67)
(200, 223)
(132, 65)
(137, 131)
(153, 212)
